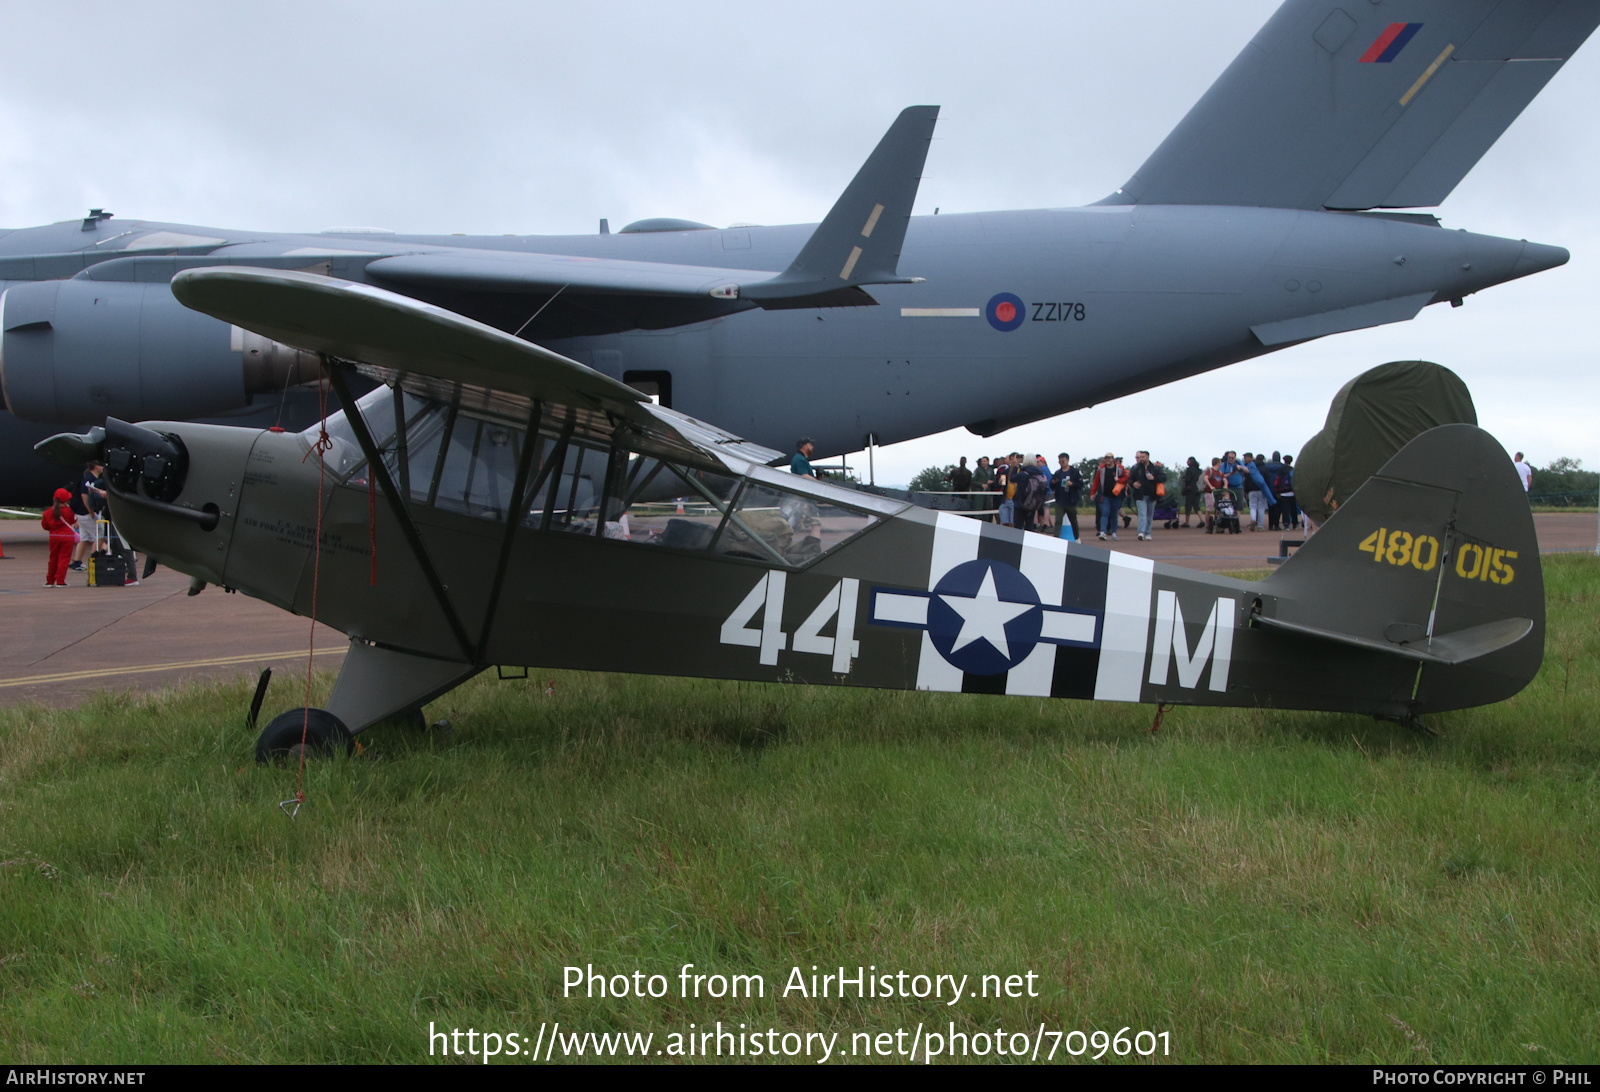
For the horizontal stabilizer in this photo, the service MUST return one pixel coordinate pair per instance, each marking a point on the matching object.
(1343, 105)
(1345, 319)
(1452, 648)
(860, 239)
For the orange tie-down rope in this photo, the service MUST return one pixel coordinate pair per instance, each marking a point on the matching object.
(321, 447)
(324, 442)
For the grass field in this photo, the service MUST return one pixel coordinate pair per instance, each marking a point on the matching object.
(1281, 887)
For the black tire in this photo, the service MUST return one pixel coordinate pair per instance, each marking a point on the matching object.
(325, 736)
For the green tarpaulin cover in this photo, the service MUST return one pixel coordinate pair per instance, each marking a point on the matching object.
(1372, 417)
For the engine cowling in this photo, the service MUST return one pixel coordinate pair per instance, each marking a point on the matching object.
(81, 350)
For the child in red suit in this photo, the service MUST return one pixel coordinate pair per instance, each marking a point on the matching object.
(62, 523)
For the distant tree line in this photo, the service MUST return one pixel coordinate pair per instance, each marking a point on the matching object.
(932, 479)
(1564, 484)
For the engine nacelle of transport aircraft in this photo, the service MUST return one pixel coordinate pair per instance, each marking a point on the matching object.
(85, 349)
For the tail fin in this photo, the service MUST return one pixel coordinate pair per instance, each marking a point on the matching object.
(1435, 560)
(859, 241)
(1359, 106)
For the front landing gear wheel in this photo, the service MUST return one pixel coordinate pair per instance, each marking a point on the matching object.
(325, 736)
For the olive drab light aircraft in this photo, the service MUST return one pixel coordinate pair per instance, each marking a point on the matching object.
(491, 502)
(1266, 218)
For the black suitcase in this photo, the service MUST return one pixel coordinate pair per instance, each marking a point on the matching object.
(114, 564)
(107, 570)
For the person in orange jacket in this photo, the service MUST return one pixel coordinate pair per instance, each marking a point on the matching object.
(62, 523)
(1110, 479)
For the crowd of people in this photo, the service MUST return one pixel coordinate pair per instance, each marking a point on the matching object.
(1027, 493)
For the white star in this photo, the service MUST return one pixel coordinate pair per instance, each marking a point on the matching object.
(984, 616)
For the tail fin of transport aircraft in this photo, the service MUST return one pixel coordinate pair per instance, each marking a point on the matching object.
(1434, 560)
(859, 241)
(1346, 105)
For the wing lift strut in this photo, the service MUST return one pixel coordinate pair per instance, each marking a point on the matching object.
(377, 682)
(336, 378)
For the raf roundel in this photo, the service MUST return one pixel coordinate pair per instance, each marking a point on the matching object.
(1005, 312)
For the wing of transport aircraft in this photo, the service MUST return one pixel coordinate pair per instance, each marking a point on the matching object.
(536, 513)
(487, 271)
(1344, 105)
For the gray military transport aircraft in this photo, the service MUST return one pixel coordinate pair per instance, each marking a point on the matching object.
(535, 511)
(1261, 221)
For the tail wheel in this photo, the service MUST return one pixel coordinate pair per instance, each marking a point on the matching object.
(323, 733)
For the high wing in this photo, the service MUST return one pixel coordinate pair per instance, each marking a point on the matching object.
(410, 342)
(858, 243)
(1345, 105)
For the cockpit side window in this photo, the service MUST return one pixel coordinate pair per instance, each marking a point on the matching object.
(791, 526)
(572, 494)
(669, 504)
(666, 504)
(588, 475)
(478, 469)
(417, 462)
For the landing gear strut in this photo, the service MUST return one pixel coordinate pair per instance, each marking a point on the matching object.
(408, 719)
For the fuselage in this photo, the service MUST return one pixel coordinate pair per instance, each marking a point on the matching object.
(566, 561)
(1112, 300)
(1020, 315)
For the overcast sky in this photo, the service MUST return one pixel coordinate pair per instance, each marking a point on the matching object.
(544, 117)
